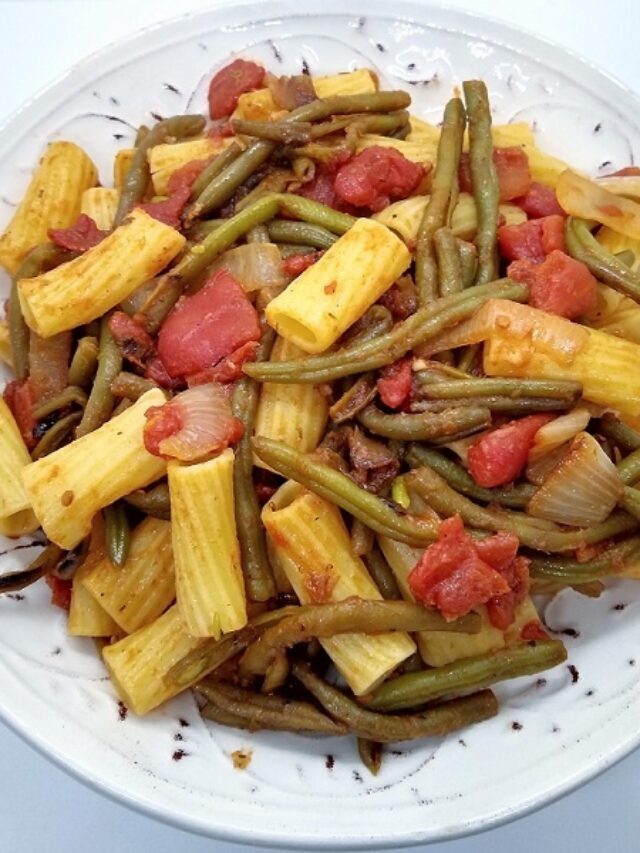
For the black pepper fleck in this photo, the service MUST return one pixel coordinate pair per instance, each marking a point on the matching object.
(632, 661)
(57, 651)
(605, 164)
(118, 136)
(590, 692)
(114, 101)
(275, 51)
(357, 777)
(171, 88)
(179, 754)
(462, 742)
(598, 127)
(329, 762)
(156, 116)
(178, 736)
(184, 723)
(15, 596)
(575, 675)
(541, 682)
(305, 67)
(381, 47)
(620, 606)
(516, 726)
(122, 711)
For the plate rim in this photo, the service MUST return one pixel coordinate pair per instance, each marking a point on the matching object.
(502, 33)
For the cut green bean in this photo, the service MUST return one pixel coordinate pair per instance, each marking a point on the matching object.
(486, 190)
(444, 187)
(218, 164)
(362, 538)
(315, 213)
(583, 246)
(448, 389)
(630, 501)
(382, 575)
(289, 249)
(155, 502)
(70, 396)
(117, 534)
(259, 234)
(84, 362)
(130, 385)
(284, 132)
(569, 571)
(420, 327)
(354, 399)
(286, 231)
(426, 426)
(137, 177)
(101, 401)
(56, 435)
(511, 405)
(386, 728)
(466, 675)
(515, 497)
(625, 437)
(44, 564)
(370, 752)
(274, 181)
(629, 468)
(468, 262)
(450, 278)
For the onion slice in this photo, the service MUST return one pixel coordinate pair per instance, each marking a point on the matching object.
(254, 266)
(587, 199)
(291, 92)
(193, 425)
(582, 489)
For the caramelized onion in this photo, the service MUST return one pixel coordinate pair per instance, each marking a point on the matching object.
(254, 266)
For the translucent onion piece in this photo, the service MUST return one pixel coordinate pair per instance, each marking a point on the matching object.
(582, 197)
(291, 92)
(461, 446)
(627, 186)
(538, 470)
(207, 423)
(254, 266)
(559, 431)
(582, 489)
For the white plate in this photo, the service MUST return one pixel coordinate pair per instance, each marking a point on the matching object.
(552, 733)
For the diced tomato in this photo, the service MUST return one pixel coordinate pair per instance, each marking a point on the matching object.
(134, 341)
(540, 201)
(227, 370)
(204, 328)
(18, 395)
(452, 576)
(229, 83)
(560, 285)
(401, 298)
(533, 631)
(296, 264)
(499, 457)
(60, 591)
(499, 550)
(626, 172)
(394, 386)
(84, 234)
(220, 129)
(376, 176)
(157, 372)
(321, 188)
(502, 608)
(512, 168)
(170, 209)
(186, 175)
(531, 240)
(162, 422)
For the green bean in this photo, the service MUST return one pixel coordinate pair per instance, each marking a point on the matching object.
(336, 487)
(130, 385)
(255, 562)
(44, 564)
(55, 436)
(629, 468)
(531, 532)
(370, 752)
(354, 399)
(261, 712)
(386, 728)
(137, 177)
(625, 437)
(516, 497)
(274, 181)
(420, 327)
(155, 502)
(286, 231)
(444, 187)
(468, 262)
(101, 401)
(211, 711)
(68, 397)
(569, 571)
(512, 405)
(503, 386)
(583, 246)
(84, 362)
(382, 575)
(362, 538)
(117, 534)
(425, 426)
(213, 169)
(289, 249)
(468, 357)
(466, 675)
(141, 132)
(412, 664)
(377, 321)
(259, 234)
(285, 132)
(626, 256)
(449, 266)
(315, 213)
(486, 190)
(630, 501)
(353, 615)
(121, 406)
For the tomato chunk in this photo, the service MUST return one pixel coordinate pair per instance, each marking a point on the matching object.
(532, 240)
(539, 201)
(169, 210)
(18, 395)
(375, 176)
(60, 591)
(512, 169)
(560, 285)
(229, 83)
(134, 341)
(296, 264)
(186, 175)
(204, 328)
(394, 386)
(499, 457)
(84, 234)
(501, 609)
(228, 369)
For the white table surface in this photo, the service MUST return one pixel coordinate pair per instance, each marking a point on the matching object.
(43, 809)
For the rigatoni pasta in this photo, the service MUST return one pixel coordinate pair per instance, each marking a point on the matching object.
(166, 159)
(15, 513)
(100, 203)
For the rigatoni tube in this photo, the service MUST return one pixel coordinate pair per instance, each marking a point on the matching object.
(314, 550)
(16, 517)
(167, 158)
(328, 297)
(100, 203)
(52, 200)
(85, 288)
(209, 581)
(292, 412)
(68, 487)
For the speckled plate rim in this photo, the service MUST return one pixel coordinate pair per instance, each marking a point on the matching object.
(442, 17)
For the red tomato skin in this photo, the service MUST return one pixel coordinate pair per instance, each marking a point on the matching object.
(552, 234)
(533, 631)
(60, 591)
(18, 395)
(134, 340)
(563, 286)
(186, 175)
(204, 328)
(228, 369)
(499, 550)
(394, 386)
(84, 234)
(170, 209)
(376, 176)
(502, 608)
(499, 457)
(157, 372)
(229, 83)
(162, 422)
(540, 201)
(512, 169)
(296, 264)
(532, 240)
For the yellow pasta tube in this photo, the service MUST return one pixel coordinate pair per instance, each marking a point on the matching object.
(141, 590)
(209, 581)
(5, 344)
(52, 200)
(421, 150)
(15, 514)
(85, 288)
(139, 663)
(291, 412)
(545, 169)
(121, 163)
(314, 549)
(615, 242)
(100, 203)
(328, 297)
(87, 618)
(165, 159)
(615, 314)
(260, 105)
(68, 487)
